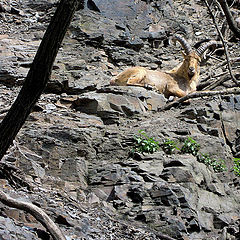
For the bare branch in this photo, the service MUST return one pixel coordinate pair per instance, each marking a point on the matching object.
(231, 22)
(223, 42)
(235, 90)
(206, 83)
(37, 212)
(217, 83)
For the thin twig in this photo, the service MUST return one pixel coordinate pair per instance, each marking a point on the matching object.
(231, 60)
(229, 17)
(235, 90)
(223, 42)
(232, 3)
(206, 82)
(217, 82)
(215, 58)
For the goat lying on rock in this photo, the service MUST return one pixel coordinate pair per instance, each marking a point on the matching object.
(179, 81)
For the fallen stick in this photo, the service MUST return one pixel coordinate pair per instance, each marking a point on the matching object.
(37, 212)
(206, 82)
(235, 90)
(216, 83)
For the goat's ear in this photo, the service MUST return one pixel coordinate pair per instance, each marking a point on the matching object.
(184, 54)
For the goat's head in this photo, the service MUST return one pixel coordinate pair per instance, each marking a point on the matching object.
(192, 58)
(192, 63)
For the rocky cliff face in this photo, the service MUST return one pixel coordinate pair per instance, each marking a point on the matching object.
(74, 149)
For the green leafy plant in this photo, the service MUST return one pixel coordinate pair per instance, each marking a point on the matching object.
(190, 146)
(217, 165)
(145, 144)
(169, 146)
(236, 166)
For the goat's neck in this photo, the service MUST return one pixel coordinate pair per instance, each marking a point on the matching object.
(180, 71)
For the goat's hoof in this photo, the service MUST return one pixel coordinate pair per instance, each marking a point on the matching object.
(171, 99)
(148, 86)
(187, 102)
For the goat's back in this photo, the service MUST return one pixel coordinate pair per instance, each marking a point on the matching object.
(140, 76)
(130, 76)
(160, 80)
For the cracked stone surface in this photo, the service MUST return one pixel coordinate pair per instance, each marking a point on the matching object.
(75, 149)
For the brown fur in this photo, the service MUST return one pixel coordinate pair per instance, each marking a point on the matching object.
(179, 81)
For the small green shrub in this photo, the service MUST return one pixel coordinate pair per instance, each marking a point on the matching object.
(217, 165)
(145, 144)
(236, 166)
(169, 146)
(190, 146)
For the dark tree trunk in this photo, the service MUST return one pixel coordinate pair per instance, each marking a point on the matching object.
(38, 74)
(231, 22)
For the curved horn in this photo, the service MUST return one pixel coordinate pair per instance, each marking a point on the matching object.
(186, 46)
(200, 51)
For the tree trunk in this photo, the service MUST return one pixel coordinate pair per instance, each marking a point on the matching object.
(231, 22)
(38, 74)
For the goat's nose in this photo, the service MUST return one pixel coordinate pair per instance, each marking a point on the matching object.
(191, 69)
(112, 82)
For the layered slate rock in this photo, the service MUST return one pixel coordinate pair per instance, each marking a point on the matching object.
(76, 148)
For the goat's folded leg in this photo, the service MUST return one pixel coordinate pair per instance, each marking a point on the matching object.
(177, 92)
(149, 87)
(136, 80)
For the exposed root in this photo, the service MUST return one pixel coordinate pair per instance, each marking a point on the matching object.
(37, 212)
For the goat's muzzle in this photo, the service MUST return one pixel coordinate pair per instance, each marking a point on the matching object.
(113, 82)
(191, 72)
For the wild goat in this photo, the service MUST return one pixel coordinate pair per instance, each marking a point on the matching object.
(179, 81)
